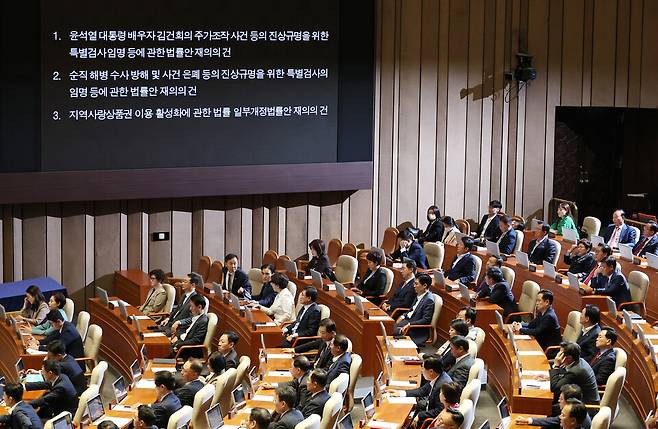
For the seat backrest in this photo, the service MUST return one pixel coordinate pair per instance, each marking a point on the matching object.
(613, 390)
(212, 325)
(472, 392)
(203, 267)
(476, 369)
(509, 275)
(592, 226)
(638, 282)
(270, 257)
(349, 345)
(292, 288)
(202, 401)
(472, 348)
(434, 252)
(637, 238)
(389, 280)
(171, 297)
(330, 412)
(241, 371)
(325, 311)
(222, 389)
(478, 268)
(463, 226)
(346, 267)
(574, 328)
(311, 422)
(215, 272)
(89, 393)
(438, 306)
(207, 307)
(390, 240)
(339, 384)
(180, 417)
(602, 419)
(519, 240)
(333, 250)
(98, 374)
(479, 337)
(355, 373)
(348, 249)
(49, 423)
(69, 309)
(558, 250)
(621, 357)
(468, 411)
(256, 280)
(528, 296)
(82, 324)
(93, 341)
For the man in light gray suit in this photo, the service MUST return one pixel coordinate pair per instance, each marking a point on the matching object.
(463, 360)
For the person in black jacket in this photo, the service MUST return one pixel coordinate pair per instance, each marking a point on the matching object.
(193, 333)
(167, 403)
(236, 281)
(542, 248)
(259, 418)
(603, 362)
(319, 260)
(507, 239)
(66, 333)
(462, 267)
(327, 333)
(285, 416)
(226, 346)
(68, 365)
(545, 326)
(498, 291)
(22, 415)
(421, 312)
(409, 249)
(610, 282)
(191, 372)
(434, 230)
(405, 294)
(145, 418)
(373, 283)
(568, 368)
(267, 294)
(308, 318)
(488, 228)
(60, 395)
(181, 313)
(580, 258)
(316, 385)
(300, 371)
(342, 359)
(590, 317)
(567, 392)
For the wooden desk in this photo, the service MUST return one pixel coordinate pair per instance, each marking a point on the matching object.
(132, 286)
(121, 344)
(12, 351)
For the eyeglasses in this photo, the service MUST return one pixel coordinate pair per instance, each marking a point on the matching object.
(152, 278)
(265, 273)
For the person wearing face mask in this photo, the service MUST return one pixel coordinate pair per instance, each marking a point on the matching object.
(434, 230)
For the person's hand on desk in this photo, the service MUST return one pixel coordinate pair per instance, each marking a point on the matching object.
(587, 289)
(32, 371)
(516, 326)
(542, 377)
(385, 306)
(241, 291)
(174, 339)
(164, 322)
(265, 385)
(520, 420)
(393, 392)
(175, 326)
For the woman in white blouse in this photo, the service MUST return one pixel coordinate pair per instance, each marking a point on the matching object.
(284, 303)
(450, 231)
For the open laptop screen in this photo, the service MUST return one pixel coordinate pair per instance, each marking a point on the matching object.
(95, 408)
(214, 416)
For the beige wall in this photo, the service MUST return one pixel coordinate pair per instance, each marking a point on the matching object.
(443, 134)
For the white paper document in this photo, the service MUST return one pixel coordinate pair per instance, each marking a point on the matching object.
(401, 400)
(279, 374)
(400, 383)
(145, 384)
(153, 334)
(379, 318)
(535, 384)
(531, 353)
(278, 356)
(263, 398)
(403, 344)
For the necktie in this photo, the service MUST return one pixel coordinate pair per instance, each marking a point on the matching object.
(299, 319)
(591, 274)
(614, 238)
(229, 283)
(596, 356)
(640, 246)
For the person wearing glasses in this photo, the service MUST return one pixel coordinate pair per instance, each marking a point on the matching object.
(157, 297)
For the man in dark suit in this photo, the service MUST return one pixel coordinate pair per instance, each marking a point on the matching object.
(285, 416)
(488, 228)
(580, 259)
(236, 281)
(507, 239)
(567, 392)
(498, 291)
(145, 418)
(408, 248)
(316, 385)
(327, 333)
(66, 333)
(226, 347)
(60, 395)
(167, 403)
(405, 294)
(195, 332)
(545, 326)
(610, 282)
(618, 232)
(603, 362)
(649, 241)
(542, 248)
(67, 365)
(300, 371)
(182, 314)
(601, 253)
(259, 418)
(429, 404)
(462, 267)
(460, 370)
(421, 312)
(341, 359)
(22, 415)
(191, 372)
(570, 368)
(590, 317)
(308, 318)
(573, 415)
(457, 327)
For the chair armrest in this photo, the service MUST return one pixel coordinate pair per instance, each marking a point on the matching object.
(593, 407)
(402, 310)
(357, 290)
(628, 304)
(193, 347)
(426, 423)
(300, 340)
(406, 328)
(90, 362)
(551, 348)
(161, 314)
(284, 324)
(518, 313)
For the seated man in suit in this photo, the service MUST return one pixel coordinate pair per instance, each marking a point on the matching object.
(580, 259)
(428, 405)
(20, 414)
(421, 312)
(498, 291)
(267, 295)
(603, 362)
(373, 282)
(405, 294)
(408, 248)
(462, 267)
(259, 418)
(570, 368)
(60, 394)
(193, 333)
(545, 326)
(308, 318)
(488, 228)
(66, 333)
(618, 232)
(649, 241)
(300, 371)
(181, 313)
(217, 365)
(567, 392)
(542, 248)
(469, 315)
(573, 415)
(601, 253)
(226, 347)
(341, 358)
(166, 403)
(507, 239)
(590, 317)
(327, 333)
(316, 385)
(67, 364)
(609, 282)
(463, 360)
(285, 416)
(145, 418)
(492, 261)
(157, 296)
(191, 373)
(457, 327)
(236, 281)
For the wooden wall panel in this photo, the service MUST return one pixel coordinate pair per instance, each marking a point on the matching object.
(34, 240)
(649, 89)
(159, 220)
(635, 47)
(106, 241)
(603, 52)
(181, 237)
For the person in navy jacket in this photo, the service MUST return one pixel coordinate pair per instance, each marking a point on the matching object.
(498, 291)
(167, 403)
(66, 333)
(610, 282)
(408, 248)
(236, 281)
(191, 372)
(342, 359)
(618, 232)
(22, 415)
(580, 258)
(507, 240)
(373, 283)
(649, 241)
(434, 230)
(60, 395)
(405, 293)
(421, 312)
(267, 294)
(462, 267)
(590, 317)
(488, 228)
(542, 248)
(545, 326)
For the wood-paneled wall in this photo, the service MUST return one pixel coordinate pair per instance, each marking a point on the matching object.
(444, 134)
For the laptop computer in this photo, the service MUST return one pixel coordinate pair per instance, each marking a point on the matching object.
(20, 366)
(340, 290)
(95, 409)
(252, 381)
(317, 279)
(248, 315)
(137, 325)
(569, 234)
(640, 335)
(612, 307)
(217, 288)
(346, 422)
(102, 295)
(596, 240)
(136, 371)
(626, 252)
(368, 404)
(383, 330)
(235, 302)
(214, 417)
(379, 385)
(144, 356)
(503, 412)
(239, 398)
(522, 259)
(3, 314)
(440, 279)
(499, 319)
(628, 321)
(652, 260)
(63, 422)
(120, 390)
(290, 266)
(122, 310)
(492, 248)
(573, 281)
(463, 290)
(358, 302)
(549, 269)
